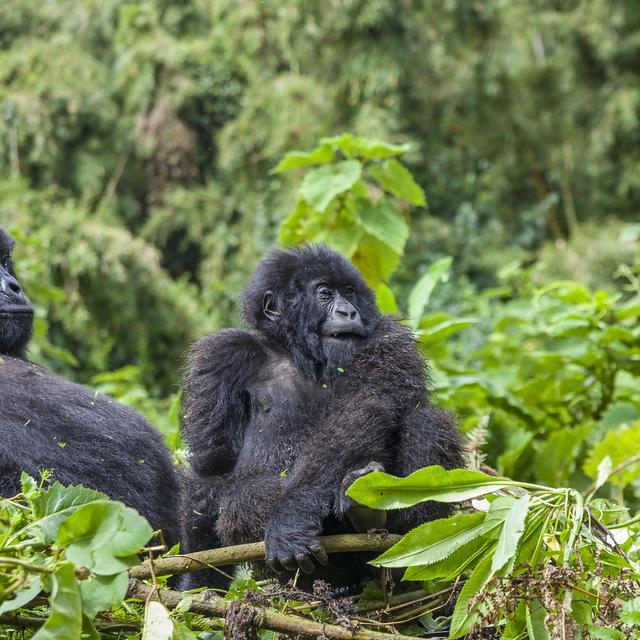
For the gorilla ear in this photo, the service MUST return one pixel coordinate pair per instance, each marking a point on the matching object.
(269, 306)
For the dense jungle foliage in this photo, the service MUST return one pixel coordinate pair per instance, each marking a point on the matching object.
(489, 190)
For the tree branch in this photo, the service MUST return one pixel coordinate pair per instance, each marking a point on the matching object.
(262, 618)
(185, 563)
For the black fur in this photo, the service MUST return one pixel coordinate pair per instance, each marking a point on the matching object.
(276, 419)
(47, 422)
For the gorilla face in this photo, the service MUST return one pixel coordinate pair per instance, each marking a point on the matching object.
(16, 312)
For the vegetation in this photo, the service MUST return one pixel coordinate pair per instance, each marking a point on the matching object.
(152, 150)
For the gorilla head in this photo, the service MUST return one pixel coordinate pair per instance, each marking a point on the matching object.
(16, 313)
(314, 303)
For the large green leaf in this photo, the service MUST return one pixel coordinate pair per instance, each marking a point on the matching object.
(535, 617)
(443, 330)
(432, 541)
(322, 185)
(383, 491)
(394, 178)
(294, 159)
(65, 620)
(383, 221)
(104, 536)
(100, 592)
(556, 460)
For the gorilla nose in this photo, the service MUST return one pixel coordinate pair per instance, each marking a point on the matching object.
(346, 310)
(11, 288)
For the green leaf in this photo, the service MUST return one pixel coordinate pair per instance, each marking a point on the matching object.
(630, 613)
(556, 460)
(385, 299)
(322, 185)
(453, 565)
(512, 531)
(395, 178)
(104, 536)
(65, 620)
(294, 159)
(383, 491)
(464, 615)
(22, 597)
(620, 445)
(535, 616)
(604, 633)
(497, 514)
(365, 148)
(100, 592)
(384, 222)
(375, 260)
(443, 330)
(182, 632)
(157, 622)
(432, 541)
(421, 292)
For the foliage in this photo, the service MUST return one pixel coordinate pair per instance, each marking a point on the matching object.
(67, 549)
(539, 561)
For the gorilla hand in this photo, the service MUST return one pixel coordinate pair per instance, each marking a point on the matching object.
(293, 542)
(362, 518)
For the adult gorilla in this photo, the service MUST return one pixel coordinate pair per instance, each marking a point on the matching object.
(281, 420)
(47, 422)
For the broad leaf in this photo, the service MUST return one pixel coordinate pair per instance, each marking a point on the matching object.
(384, 222)
(294, 159)
(383, 491)
(512, 531)
(365, 148)
(100, 592)
(394, 178)
(22, 597)
(433, 541)
(65, 620)
(322, 185)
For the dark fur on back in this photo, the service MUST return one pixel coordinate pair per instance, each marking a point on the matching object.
(47, 422)
(274, 426)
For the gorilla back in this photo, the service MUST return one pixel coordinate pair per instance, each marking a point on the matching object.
(47, 422)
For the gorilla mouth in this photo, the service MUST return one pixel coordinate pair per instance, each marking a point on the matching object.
(344, 335)
(16, 310)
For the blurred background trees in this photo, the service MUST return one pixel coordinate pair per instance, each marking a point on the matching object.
(138, 140)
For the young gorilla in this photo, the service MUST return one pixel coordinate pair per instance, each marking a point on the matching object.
(281, 420)
(47, 422)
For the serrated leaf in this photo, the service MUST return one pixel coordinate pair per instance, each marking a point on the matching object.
(65, 620)
(512, 531)
(453, 565)
(384, 222)
(464, 615)
(421, 292)
(322, 185)
(395, 178)
(383, 491)
(294, 159)
(432, 541)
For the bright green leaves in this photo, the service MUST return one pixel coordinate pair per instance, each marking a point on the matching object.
(65, 620)
(395, 179)
(354, 201)
(322, 185)
(383, 491)
(76, 547)
(104, 537)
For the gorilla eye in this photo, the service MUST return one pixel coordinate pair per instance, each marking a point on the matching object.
(349, 291)
(6, 261)
(323, 291)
